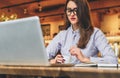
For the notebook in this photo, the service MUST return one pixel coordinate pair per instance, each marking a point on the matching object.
(107, 65)
(21, 43)
(97, 65)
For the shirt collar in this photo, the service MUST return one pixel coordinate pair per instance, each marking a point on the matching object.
(74, 31)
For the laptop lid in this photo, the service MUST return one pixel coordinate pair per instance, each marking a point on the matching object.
(21, 42)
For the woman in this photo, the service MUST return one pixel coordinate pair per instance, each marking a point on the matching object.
(80, 42)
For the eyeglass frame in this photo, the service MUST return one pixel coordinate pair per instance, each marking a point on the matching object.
(70, 11)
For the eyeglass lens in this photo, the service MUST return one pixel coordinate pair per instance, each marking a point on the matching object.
(69, 11)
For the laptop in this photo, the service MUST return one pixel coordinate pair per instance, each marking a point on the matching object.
(22, 43)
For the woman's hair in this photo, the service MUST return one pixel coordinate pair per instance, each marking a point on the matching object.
(84, 22)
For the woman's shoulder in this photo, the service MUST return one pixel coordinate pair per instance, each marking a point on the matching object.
(97, 30)
(61, 34)
(64, 32)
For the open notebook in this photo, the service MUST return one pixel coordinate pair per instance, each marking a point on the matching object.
(96, 65)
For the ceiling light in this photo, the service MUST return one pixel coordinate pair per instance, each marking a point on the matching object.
(25, 11)
(39, 8)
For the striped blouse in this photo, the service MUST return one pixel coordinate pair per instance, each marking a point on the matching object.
(97, 43)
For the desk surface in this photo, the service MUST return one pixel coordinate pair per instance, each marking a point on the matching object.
(73, 72)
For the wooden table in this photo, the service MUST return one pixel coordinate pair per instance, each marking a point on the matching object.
(70, 72)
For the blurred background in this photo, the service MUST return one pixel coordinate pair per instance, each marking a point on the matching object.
(105, 15)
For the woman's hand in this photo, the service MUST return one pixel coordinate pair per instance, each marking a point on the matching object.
(57, 59)
(75, 51)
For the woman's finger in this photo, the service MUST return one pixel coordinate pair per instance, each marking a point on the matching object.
(59, 55)
(60, 60)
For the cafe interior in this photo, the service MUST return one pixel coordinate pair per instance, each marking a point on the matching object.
(105, 15)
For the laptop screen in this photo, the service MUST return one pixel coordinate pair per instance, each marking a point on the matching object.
(21, 42)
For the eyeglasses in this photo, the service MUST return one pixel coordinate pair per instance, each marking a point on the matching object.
(69, 11)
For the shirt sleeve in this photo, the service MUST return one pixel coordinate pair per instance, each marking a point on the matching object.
(54, 45)
(104, 48)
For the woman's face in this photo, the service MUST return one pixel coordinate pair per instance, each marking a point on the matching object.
(72, 12)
